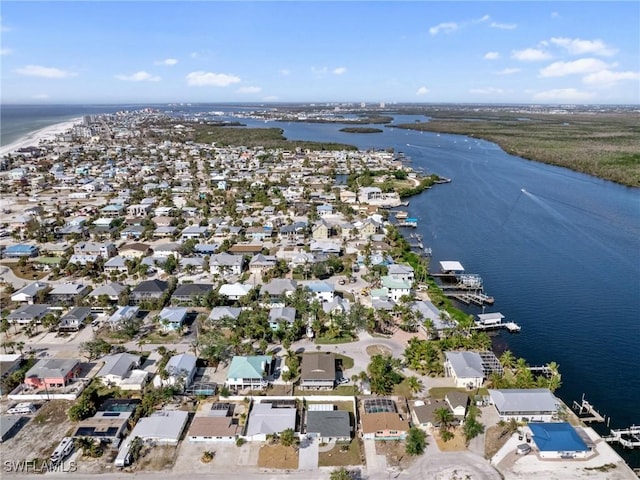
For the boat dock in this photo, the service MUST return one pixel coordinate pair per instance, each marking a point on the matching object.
(588, 410)
(468, 298)
(627, 437)
(493, 321)
(408, 222)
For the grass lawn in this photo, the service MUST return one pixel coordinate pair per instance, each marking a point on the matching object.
(346, 390)
(342, 455)
(439, 392)
(27, 272)
(163, 338)
(334, 341)
(278, 456)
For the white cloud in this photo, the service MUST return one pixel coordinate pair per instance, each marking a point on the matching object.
(249, 90)
(503, 26)
(530, 55)
(205, 79)
(41, 96)
(44, 72)
(446, 27)
(508, 71)
(422, 91)
(5, 51)
(319, 71)
(169, 62)
(607, 78)
(582, 66)
(285, 72)
(339, 70)
(563, 95)
(577, 46)
(491, 56)
(140, 76)
(484, 18)
(486, 91)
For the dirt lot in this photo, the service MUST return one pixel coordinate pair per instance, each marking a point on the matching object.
(278, 456)
(395, 453)
(456, 444)
(378, 350)
(495, 438)
(154, 458)
(40, 436)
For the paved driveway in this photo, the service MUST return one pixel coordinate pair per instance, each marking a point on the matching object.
(308, 454)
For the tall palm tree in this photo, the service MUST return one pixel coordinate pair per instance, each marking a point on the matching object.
(507, 359)
(415, 384)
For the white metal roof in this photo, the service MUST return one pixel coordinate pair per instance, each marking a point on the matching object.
(451, 265)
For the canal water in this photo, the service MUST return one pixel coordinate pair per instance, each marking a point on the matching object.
(559, 251)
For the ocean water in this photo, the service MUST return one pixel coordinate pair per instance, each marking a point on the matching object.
(559, 250)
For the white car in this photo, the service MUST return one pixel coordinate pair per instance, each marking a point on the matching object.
(343, 380)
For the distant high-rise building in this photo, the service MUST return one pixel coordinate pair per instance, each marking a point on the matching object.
(363, 104)
(381, 104)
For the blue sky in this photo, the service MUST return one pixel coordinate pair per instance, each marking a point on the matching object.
(372, 51)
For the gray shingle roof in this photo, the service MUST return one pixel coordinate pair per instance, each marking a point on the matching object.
(333, 423)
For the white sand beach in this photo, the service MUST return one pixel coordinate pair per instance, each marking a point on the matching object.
(34, 138)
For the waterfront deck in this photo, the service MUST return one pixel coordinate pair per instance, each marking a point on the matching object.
(494, 321)
(587, 412)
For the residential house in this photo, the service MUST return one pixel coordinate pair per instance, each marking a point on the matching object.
(466, 368)
(21, 251)
(194, 232)
(121, 316)
(116, 265)
(383, 422)
(423, 413)
(219, 314)
(28, 313)
(217, 426)
(328, 248)
(101, 249)
(322, 291)
(192, 264)
(324, 210)
(281, 317)
(191, 293)
(111, 290)
(396, 288)
(161, 428)
(318, 371)
(561, 440)
(148, 291)
(269, 419)
(139, 210)
(338, 306)
(167, 231)
(83, 260)
(234, 291)
(107, 427)
(181, 370)
(172, 318)
(225, 264)
(132, 232)
(249, 372)
(529, 405)
(52, 373)
(320, 230)
(328, 425)
(68, 292)
(277, 287)
(74, 319)
(165, 250)
(122, 370)
(403, 273)
(458, 403)
(368, 228)
(135, 250)
(29, 293)
(261, 263)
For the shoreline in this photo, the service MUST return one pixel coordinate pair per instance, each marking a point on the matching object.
(33, 139)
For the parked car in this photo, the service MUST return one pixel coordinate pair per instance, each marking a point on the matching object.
(523, 449)
(343, 380)
(22, 409)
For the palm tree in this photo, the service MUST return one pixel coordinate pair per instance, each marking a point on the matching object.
(415, 384)
(445, 417)
(507, 359)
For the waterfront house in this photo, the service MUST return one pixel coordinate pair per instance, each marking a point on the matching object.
(396, 288)
(402, 273)
(560, 440)
(466, 368)
(533, 405)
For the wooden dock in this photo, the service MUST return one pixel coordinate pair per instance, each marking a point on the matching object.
(588, 410)
(493, 321)
(627, 437)
(468, 298)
